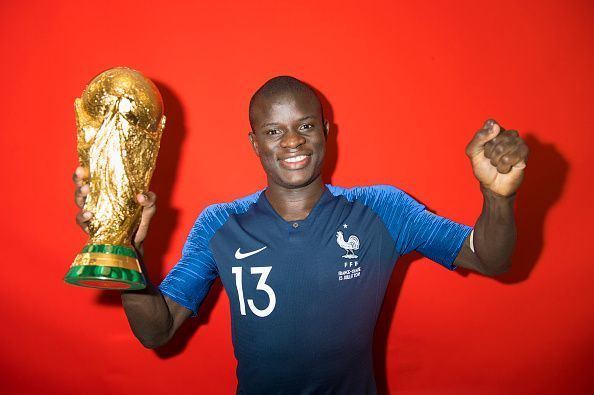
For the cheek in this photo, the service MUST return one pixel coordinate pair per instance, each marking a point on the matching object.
(320, 149)
(267, 159)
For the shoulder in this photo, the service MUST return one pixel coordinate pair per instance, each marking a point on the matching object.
(215, 215)
(391, 204)
(372, 195)
(237, 206)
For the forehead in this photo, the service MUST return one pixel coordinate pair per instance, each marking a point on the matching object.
(285, 108)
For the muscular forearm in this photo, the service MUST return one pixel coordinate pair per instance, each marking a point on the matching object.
(495, 233)
(148, 315)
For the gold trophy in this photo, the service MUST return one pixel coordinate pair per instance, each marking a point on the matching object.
(120, 121)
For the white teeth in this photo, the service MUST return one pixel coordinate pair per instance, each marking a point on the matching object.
(295, 159)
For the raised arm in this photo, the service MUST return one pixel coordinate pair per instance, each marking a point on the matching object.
(498, 159)
(153, 317)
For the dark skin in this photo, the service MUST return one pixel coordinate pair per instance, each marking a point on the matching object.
(498, 158)
(287, 128)
(153, 317)
(289, 136)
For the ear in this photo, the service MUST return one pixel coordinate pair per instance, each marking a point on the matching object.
(253, 142)
(326, 128)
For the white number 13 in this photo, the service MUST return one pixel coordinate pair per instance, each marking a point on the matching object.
(263, 271)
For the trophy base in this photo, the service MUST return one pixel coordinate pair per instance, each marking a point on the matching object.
(106, 266)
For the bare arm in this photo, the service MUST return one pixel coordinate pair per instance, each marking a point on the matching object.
(494, 237)
(498, 160)
(153, 317)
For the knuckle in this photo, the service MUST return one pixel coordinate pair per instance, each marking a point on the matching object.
(150, 196)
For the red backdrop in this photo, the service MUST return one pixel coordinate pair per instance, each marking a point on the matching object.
(406, 84)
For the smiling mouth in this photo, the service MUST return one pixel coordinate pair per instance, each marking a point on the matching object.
(295, 162)
(295, 159)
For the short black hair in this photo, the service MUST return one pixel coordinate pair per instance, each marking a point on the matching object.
(278, 86)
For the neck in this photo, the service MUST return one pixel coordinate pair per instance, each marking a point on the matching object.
(294, 204)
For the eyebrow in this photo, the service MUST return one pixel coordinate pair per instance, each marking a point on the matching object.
(299, 120)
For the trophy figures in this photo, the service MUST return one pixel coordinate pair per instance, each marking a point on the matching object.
(120, 121)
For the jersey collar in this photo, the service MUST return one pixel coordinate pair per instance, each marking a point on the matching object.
(264, 205)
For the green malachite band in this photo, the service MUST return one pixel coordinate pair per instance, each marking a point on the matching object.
(106, 266)
(110, 249)
(103, 276)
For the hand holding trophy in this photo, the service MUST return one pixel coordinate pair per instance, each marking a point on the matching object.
(120, 121)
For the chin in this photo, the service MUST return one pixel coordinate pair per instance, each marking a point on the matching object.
(297, 181)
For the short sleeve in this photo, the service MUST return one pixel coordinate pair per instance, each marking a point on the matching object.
(411, 226)
(190, 279)
(438, 238)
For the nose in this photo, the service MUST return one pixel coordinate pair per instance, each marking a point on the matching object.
(292, 139)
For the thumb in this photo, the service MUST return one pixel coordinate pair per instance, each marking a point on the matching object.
(489, 131)
(148, 202)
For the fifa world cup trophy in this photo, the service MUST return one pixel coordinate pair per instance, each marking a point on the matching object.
(120, 121)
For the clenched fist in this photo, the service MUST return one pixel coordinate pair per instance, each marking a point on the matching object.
(498, 158)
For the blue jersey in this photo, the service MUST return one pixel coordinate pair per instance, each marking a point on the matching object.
(305, 295)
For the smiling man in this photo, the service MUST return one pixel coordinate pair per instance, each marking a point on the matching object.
(291, 255)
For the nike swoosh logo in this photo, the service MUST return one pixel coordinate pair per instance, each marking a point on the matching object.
(240, 255)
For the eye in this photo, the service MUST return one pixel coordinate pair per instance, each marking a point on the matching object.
(272, 131)
(306, 126)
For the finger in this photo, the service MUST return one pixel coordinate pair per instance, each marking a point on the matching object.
(500, 149)
(515, 145)
(83, 216)
(523, 157)
(147, 199)
(80, 195)
(515, 159)
(524, 152)
(489, 131)
(505, 135)
(489, 148)
(507, 161)
(149, 202)
(82, 220)
(80, 176)
(505, 138)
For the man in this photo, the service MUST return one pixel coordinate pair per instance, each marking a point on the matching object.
(306, 265)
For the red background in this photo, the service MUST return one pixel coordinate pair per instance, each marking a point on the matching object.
(406, 84)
